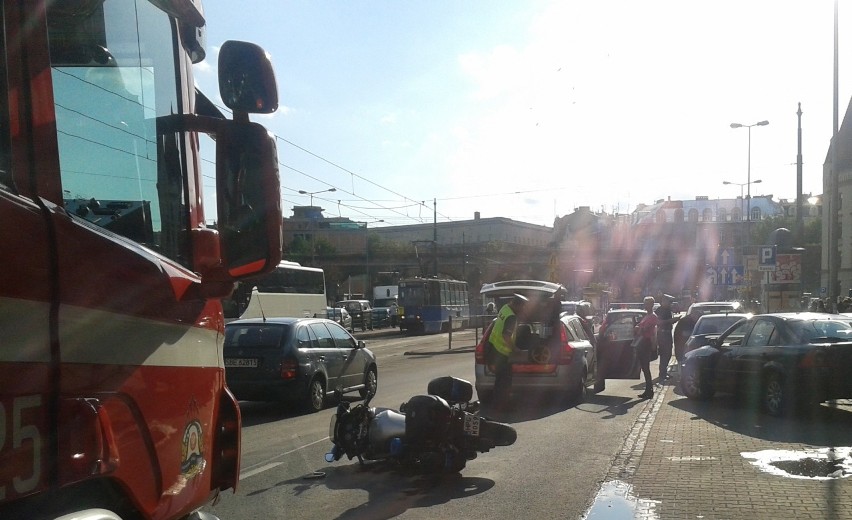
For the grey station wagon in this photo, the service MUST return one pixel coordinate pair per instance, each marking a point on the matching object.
(300, 360)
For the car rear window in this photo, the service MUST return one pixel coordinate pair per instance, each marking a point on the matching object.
(715, 325)
(822, 329)
(253, 336)
(620, 327)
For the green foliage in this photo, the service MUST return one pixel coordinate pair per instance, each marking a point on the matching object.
(299, 250)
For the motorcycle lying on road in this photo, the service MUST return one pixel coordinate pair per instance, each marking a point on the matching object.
(438, 432)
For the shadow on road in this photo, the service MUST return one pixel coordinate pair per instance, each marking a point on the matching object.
(262, 412)
(391, 490)
(609, 406)
(821, 425)
(525, 408)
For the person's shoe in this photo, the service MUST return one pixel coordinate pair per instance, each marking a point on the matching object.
(646, 395)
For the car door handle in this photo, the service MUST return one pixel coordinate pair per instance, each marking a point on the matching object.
(322, 358)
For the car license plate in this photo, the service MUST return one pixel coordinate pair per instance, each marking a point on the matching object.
(471, 425)
(241, 362)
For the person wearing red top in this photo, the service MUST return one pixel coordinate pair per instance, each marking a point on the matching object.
(645, 332)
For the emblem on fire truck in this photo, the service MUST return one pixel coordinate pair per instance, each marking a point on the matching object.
(192, 459)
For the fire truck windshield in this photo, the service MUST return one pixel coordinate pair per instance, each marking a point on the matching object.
(114, 73)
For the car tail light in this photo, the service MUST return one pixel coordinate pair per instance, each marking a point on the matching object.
(566, 354)
(289, 368)
(814, 359)
(479, 351)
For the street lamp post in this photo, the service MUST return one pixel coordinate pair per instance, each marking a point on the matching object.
(801, 252)
(745, 239)
(313, 218)
(748, 179)
(367, 259)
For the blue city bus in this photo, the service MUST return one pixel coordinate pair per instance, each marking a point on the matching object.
(426, 305)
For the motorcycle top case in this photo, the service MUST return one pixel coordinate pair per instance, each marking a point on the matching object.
(452, 389)
(427, 419)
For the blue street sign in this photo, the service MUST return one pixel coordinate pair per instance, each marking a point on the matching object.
(725, 275)
(726, 257)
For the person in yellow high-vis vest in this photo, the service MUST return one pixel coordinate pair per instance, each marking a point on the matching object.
(502, 340)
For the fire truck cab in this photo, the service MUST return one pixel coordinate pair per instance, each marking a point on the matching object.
(113, 401)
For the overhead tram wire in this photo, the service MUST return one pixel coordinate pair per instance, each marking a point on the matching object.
(350, 172)
(332, 163)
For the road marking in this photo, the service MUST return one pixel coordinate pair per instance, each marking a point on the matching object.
(692, 458)
(269, 464)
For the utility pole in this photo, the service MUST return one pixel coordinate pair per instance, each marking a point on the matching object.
(435, 237)
(833, 212)
(800, 232)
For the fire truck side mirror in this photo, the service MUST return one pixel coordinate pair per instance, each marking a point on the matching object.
(248, 199)
(246, 79)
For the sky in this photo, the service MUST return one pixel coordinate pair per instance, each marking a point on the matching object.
(414, 110)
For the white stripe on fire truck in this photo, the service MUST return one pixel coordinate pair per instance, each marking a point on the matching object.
(100, 337)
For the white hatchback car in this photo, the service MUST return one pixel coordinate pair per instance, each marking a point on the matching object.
(556, 355)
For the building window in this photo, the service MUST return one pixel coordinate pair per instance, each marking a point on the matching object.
(707, 215)
(722, 215)
(736, 216)
(660, 216)
(755, 213)
(693, 215)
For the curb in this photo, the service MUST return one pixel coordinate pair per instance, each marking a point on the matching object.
(462, 350)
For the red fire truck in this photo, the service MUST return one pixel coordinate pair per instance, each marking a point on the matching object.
(113, 401)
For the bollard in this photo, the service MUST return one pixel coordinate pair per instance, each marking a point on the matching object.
(450, 345)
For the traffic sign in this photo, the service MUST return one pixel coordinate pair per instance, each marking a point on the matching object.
(766, 258)
(725, 275)
(726, 256)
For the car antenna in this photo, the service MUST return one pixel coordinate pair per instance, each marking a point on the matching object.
(256, 294)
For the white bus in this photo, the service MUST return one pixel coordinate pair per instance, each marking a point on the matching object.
(290, 290)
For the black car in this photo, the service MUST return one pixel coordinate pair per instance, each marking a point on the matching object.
(783, 359)
(383, 317)
(711, 326)
(299, 360)
(361, 312)
(684, 326)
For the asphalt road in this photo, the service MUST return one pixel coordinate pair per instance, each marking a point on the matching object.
(553, 471)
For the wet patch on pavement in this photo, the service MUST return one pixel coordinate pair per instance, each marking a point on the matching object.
(616, 501)
(811, 464)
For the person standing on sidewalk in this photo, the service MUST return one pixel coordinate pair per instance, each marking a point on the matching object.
(664, 334)
(502, 341)
(644, 341)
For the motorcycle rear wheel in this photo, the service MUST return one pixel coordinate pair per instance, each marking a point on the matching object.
(499, 434)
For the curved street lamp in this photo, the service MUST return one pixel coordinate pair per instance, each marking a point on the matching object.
(742, 185)
(312, 193)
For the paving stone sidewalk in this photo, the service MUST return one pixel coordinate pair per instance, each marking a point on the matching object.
(687, 461)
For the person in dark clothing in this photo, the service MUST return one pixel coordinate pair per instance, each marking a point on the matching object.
(664, 334)
(682, 331)
(644, 333)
